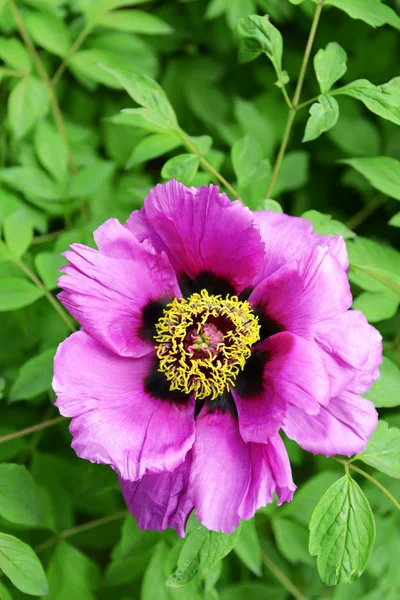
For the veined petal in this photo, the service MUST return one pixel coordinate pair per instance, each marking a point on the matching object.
(108, 294)
(204, 232)
(115, 420)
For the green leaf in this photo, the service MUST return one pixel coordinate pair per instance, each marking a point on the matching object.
(294, 172)
(90, 178)
(325, 225)
(257, 35)
(15, 55)
(34, 377)
(49, 32)
(28, 101)
(383, 100)
(153, 585)
(135, 21)
(342, 532)
(146, 92)
(18, 232)
(248, 163)
(48, 265)
(153, 146)
(253, 590)
(4, 593)
(253, 122)
(51, 150)
(372, 12)
(330, 65)
(71, 574)
(273, 206)
(21, 565)
(19, 497)
(383, 172)
(355, 135)
(31, 180)
(201, 550)
(383, 450)
(395, 220)
(385, 390)
(16, 292)
(292, 540)
(323, 116)
(377, 306)
(182, 168)
(388, 279)
(367, 253)
(248, 547)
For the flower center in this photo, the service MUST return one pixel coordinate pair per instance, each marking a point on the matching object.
(203, 342)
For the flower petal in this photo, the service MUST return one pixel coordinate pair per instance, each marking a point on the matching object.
(204, 232)
(270, 472)
(370, 371)
(287, 238)
(108, 295)
(343, 427)
(220, 472)
(115, 421)
(307, 290)
(292, 373)
(161, 500)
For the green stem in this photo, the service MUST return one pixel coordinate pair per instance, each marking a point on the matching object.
(366, 211)
(11, 73)
(58, 118)
(307, 102)
(286, 96)
(67, 533)
(75, 46)
(349, 465)
(295, 102)
(32, 429)
(47, 237)
(204, 162)
(56, 305)
(281, 577)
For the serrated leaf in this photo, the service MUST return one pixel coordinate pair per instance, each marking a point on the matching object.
(248, 163)
(135, 21)
(342, 532)
(34, 377)
(146, 92)
(18, 232)
(323, 116)
(385, 390)
(330, 65)
(325, 225)
(153, 146)
(16, 292)
(183, 168)
(257, 35)
(383, 100)
(28, 101)
(373, 12)
(201, 550)
(19, 497)
(49, 32)
(383, 450)
(248, 547)
(383, 172)
(21, 565)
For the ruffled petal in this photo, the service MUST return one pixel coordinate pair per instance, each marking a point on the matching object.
(309, 289)
(370, 371)
(114, 420)
(343, 427)
(107, 294)
(204, 232)
(292, 373)
(287, 238)
(270, 472)
(158, 501)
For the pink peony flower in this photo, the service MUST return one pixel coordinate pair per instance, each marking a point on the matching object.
(206, 329)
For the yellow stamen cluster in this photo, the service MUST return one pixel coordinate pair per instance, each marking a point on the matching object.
(202, 365)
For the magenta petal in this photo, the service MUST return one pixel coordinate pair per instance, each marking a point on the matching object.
(205, 231)
(158, 501)
(107, 294)
(220, 471)
(343, 427)
(294, 373)
(115, 241)
(114, 420)
(287, 238)
(370, 371)
(307, 290)
(270, 472)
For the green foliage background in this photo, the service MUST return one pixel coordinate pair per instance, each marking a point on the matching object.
(70, 159)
